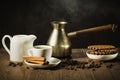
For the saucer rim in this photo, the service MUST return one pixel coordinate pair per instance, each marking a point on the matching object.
(43, 66)
(100, 57)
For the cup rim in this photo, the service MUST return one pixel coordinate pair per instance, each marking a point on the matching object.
(44, 47)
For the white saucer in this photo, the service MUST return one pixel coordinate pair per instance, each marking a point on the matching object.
(102, 57)
(53, 62)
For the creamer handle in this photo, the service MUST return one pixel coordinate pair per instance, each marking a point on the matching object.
(4, 44)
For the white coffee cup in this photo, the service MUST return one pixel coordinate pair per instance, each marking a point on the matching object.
(41, 51)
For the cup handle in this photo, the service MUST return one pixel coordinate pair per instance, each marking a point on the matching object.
(30, 52)
(4, 44)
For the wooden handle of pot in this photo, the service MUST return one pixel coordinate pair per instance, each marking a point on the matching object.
(95, 29)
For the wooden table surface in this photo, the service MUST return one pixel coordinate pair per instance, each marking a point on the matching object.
(24, 73)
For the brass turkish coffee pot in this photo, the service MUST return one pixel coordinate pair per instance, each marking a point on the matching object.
(60, 41)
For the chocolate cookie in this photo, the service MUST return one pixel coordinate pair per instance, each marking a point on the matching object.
(98, 47)
(102, 49)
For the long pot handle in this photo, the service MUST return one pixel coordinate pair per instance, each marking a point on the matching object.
(95, 29)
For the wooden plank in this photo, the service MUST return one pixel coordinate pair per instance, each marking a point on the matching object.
(103, 74)
(85, 74)
(88, 74)
(115, 71)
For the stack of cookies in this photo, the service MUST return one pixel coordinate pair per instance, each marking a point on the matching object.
(102, 49)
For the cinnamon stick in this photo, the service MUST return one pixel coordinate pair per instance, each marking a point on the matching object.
(31, 58)
(37, 62)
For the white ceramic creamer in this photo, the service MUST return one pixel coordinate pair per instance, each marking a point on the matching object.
(19, 45)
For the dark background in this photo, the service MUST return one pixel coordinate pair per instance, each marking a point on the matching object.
(34, 17)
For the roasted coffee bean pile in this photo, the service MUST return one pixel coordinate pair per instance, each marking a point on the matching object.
(70, 64)
(109, 65)
(15, 64)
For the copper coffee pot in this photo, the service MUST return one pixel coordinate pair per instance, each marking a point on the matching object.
(60, 42)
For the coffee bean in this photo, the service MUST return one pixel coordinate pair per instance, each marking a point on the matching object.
(79, 66)
(27, 67)
(13, 65)
(19, 64)
(10, 63)
(93, 69)
(82, 66)
(109, 65)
